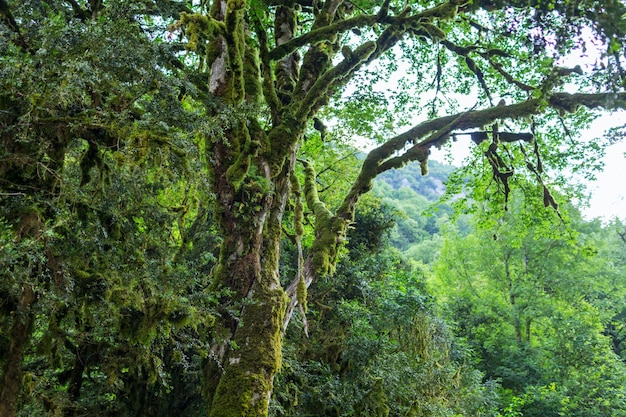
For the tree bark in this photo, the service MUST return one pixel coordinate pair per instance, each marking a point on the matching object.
(247, 353)
(20, 331)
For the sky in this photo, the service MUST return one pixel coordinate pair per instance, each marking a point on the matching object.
(608, 192)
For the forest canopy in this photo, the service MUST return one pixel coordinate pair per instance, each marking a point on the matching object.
(187, 228)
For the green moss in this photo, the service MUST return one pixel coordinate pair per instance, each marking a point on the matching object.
(433, 31)
(236, 50)
(298, 212)
(246, 384)
(252, 76)
(443, 11)
(329, 229)
(238, 171)
(301, 294)
(199, 27)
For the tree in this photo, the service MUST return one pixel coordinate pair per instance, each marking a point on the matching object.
(95, 195)
(537, 306)
(266, 77)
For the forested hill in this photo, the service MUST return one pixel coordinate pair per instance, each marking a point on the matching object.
(430, 186)
(416, 197)
(536, 296)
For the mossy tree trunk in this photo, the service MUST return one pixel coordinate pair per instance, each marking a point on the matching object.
(252, 176)
(251, 184)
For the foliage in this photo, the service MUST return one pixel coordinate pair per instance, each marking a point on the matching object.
(99, 191)
(375, 346)
(534, 304)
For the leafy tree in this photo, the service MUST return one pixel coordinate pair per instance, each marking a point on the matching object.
(258, 81)
(534, 303)
(96, 195)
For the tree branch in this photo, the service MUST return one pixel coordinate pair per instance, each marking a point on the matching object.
(321, 34)
(269, 90)
(437, 131)
(310, 192)
(330, 78)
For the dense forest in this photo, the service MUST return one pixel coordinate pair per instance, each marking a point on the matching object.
(189, 224)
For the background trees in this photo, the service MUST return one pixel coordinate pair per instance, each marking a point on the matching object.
(536, 308)
(158, 156)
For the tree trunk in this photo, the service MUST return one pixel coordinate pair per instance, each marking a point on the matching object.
(252, 357)
(20, 331)
(247, 354)
(251, 172)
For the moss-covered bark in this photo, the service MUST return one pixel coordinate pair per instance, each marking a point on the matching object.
(247, 351)
(254, 357)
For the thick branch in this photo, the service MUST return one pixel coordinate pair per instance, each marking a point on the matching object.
(330, 78)
(330, 229)
(310, 192)
(436, 132)
(269, 90)
(324, 33)
(323, 29)
(286, 70)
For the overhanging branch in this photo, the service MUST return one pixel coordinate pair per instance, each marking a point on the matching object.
(437, 131)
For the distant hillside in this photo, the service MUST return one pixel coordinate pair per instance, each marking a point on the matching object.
(430, 186)
(415, 197)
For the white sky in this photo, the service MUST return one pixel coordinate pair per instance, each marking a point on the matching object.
(608, 193)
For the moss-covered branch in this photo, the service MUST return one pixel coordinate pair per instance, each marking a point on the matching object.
(322, 34)
(474, 119)
(437, 131)
(420, 151)
(198, 27)
(269, 90)
(327, 13)
(235, 49)
(323, 38)
(330, 230)
(330, 78)
(310, 192)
